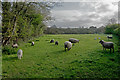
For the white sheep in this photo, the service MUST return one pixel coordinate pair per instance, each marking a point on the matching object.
(68, 45)
(20, 54)
(107, 45)
(15, 45)
(73, 40)
(32, 44)
(109, 37)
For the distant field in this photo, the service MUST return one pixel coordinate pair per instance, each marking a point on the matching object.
(46, 60)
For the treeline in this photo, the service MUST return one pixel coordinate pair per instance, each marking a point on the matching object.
(115, 30)
(22, 20)
(81, 30)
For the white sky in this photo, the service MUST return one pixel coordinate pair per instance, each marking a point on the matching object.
(76, 14)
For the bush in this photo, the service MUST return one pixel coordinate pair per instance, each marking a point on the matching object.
(109, 29)
(117, 31)
(9, 50)
(29, 41)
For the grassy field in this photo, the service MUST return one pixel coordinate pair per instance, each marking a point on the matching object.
(46, 60)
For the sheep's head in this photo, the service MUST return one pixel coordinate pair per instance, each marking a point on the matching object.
(78, 41)
(101, 41)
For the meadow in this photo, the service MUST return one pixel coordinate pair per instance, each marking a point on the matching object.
(46, 60)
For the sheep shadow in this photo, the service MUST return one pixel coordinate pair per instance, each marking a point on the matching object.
(37, 40)
(105, 53)
(28, 45)
(11, 58)
(59, 52)
(47, 40)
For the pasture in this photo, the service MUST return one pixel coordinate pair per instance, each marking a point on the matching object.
(46, 60)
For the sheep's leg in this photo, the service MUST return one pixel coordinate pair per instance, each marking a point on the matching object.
(69, 49)
(73, 44)
(113, 49)
(103, 48)
(65, 49)
(19, 57)
(110, 50)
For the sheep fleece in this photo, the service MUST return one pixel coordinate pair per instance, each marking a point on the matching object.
(19, 53)
(69, 44)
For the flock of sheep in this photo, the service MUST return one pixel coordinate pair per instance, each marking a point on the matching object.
(68, 45)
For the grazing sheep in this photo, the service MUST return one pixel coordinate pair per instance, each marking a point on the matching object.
(52, 41)
(109, 37)
(56, 42)
(32, 44)
(68, 45)
(72, 40)
(20, 54)
(15, 45)
(107, 45)
(95, 38)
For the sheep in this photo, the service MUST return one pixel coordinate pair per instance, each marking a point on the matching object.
(107, 45)
(68, 45)
(109, 37)
(32, 44)
(56, 43)
(95, 38)
(52, 41)
(20, 54)
(15, 45)
(73, 40)
(99, 38)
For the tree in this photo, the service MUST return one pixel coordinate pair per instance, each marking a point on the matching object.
(22, 20)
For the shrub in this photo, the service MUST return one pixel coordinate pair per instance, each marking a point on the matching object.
(9, 50)
(109, 29)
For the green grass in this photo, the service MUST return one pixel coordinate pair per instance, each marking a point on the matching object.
(46, 60)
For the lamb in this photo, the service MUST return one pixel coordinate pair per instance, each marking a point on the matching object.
(72, 40)
(109, 37)
(32, 44)
(52, 41)
(95, 38)
(15, 45)
(107, 45)
(68, 45)
(56, 43)
(20, 54)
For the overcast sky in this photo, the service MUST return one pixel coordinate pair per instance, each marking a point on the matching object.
(77, 14)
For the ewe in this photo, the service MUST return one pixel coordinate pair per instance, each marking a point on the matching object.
(32, 44)
(52, 41)
(56, 42)
(107, 45)
(109, 37)
(73, 40)
(68, 45)
(15, 45)
(20, 54)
